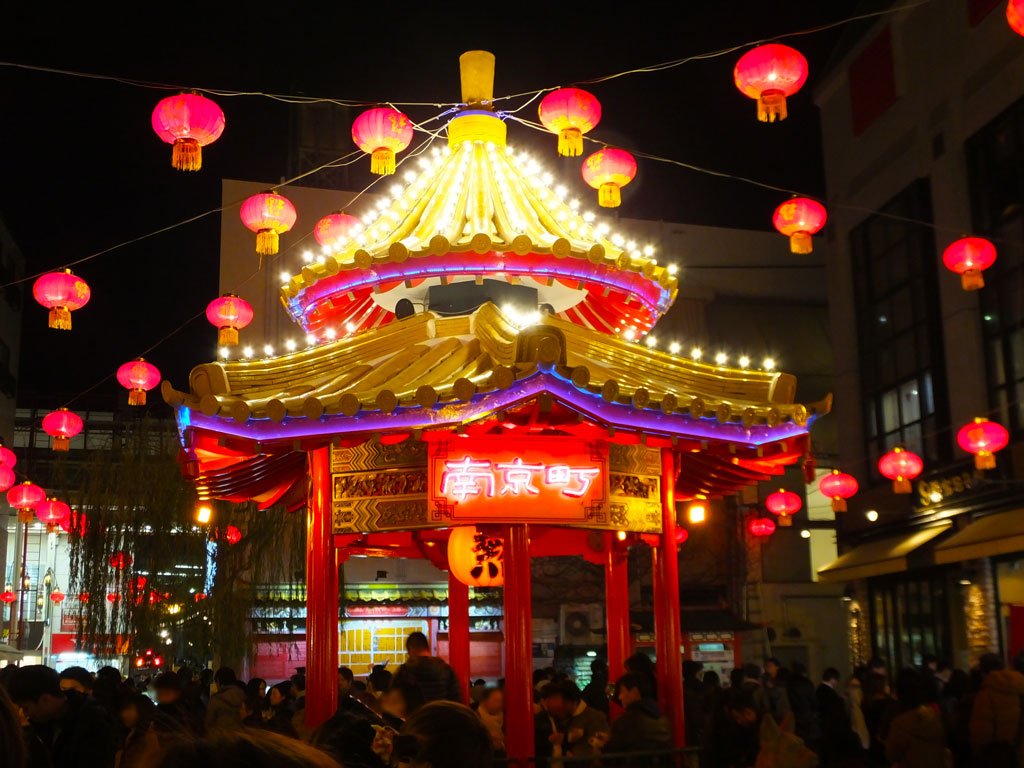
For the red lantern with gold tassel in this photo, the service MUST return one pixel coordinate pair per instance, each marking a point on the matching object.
(607, 171)
(138, 377)
(570, 112)
(62, 425)
(785, 504)
(61, 293)
(900, 466)
(381, 133)
(24, 498)
(798, 219)
(983, 438)
(838, 486)
(968, 257)
(770, 73)
(229, 313)
(53, 513)
(188, 121)
(269, 215)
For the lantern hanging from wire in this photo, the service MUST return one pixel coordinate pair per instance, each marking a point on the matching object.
(785, 504)
(381, 133)
(770, 73)
(57, 597)
(25, 497)
(607, 171)
(52, 512)
(901, 466)
(983, 438)
(761, 526)
(1015, 15)
(62, 425)
(968, 257)
(61, 293)
(138, 377)
(188, 121)
(229, 314)
(269, 215)
(335, 230)
(570, 112)
(839, 487)
(798, 219)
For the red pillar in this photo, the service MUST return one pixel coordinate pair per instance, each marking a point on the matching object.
(616, 591)
(518, 645)
(668, 636)
(458, 632)
(321, 595)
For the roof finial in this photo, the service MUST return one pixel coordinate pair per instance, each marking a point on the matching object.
(477, 70)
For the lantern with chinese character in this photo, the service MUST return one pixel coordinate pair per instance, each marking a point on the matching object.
(761, 526)
(52, 512)
(120, 560)
(381, 133)
(798, 219)
(62, 425)
(335, 230)
(138, 377)
(1015, 15)
(570, 112)
(770, 73)
(25, 498)
(968, 256)
(228, 314)
(838, 486)
(607, 171)
(188, 121)
(983, 438)
(269, 215)
(785, 504)
(475, 558)
(61, 293)
(57, 597)
(900, 466)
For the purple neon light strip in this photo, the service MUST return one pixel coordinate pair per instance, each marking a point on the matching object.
(614, 414)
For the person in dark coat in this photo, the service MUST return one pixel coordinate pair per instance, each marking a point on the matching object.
(838, 740)
(595, 693)
(693, 700)
(435, 679)
(174, 710)
(803, 703)
(277, 717)
(141, 743)
(76, 731)
(225, 707)
(642, 727)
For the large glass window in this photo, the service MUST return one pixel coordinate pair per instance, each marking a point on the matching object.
(900, 335)
(910, 618)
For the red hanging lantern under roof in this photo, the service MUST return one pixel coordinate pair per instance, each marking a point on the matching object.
(770, 73)
(968, 257)
(57, 596)
(381, 133)
(52, 512)
(61, 293)
(269, 215)
(785, 504)
(570, 112)
(138, 377)
(761, 526)
(335, 230)
(62, 425)
(229, 313)
(838, 486)
(983, 438)
(120, 560)
(189, 121)
(798, 219)
(24, 498)
(607, 171)
(900, 466)
(1015, 15)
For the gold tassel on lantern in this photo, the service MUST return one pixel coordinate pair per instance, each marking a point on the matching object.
(137, 397)
(901, 485)
(608, 196)
(60, 318)
(838, 505)
(971, 280)
(60, 443)
(382, 162)
(187, 155)
(227, 336)
(984, 460)
(25, 516)
(800, 242)
(266, 242)
(570, 142)
(785, 521)
(771, 106)
(52, 527)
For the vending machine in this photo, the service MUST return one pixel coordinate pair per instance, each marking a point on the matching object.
(717, 651)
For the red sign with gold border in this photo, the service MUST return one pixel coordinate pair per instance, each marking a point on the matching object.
(515, 480)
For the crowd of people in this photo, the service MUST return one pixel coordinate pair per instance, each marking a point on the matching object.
(927, 717)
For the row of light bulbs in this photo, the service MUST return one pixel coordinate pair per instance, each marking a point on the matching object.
(696, 353)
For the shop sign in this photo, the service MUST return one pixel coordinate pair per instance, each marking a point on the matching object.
(931, 492)
(376, 611)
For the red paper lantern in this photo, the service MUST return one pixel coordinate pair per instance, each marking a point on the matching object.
(607, 171)
(120, 560)
(232, 535)
(138, 377)
(798, 219)
(62, 425)
(52, 512)
(1015, 15)
(7, 457)
(7, 596)
(475, 558)
(967, 257)
(57, 596)
(838, 486)
(228, 314)
(900, 466)
(83, 597)
(6, 477)
(113, 597)
(189, 121)
(336, 229)
(983, 438)
(200, 596)
(761, 526)
(681, 536)
(381, 133)
(24, 498)
(61, 293)
(570, 112)
(269, 215)
(784, 504)
(770, 73)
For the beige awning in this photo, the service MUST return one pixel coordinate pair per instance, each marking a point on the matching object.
(989, 536)
(876, 558)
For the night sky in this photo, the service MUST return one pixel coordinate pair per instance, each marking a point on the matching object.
(84, 170)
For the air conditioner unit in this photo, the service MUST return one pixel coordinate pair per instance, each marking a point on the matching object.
(582, 624)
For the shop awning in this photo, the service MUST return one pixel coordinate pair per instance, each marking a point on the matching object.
(989, 536)
(876, 558)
